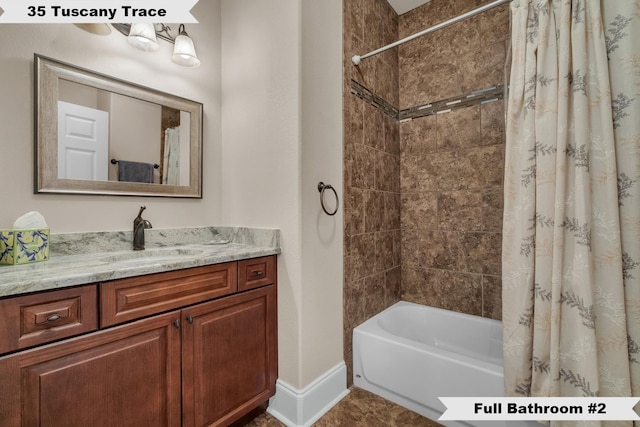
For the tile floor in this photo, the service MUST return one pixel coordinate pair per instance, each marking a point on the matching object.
(359, 409)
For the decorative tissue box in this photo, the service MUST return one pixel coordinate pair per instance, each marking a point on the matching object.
(24, 246)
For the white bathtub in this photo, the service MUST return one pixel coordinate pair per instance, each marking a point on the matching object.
(411, 354)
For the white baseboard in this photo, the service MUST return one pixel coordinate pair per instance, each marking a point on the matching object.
(301, 408)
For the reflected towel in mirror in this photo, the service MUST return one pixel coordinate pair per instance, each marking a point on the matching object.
(135, 171)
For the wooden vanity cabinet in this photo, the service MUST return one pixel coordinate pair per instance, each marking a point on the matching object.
(229, 357)
(206, 364)
(125, 376)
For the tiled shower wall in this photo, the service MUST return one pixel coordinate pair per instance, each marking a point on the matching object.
(371, 169)
(452, 162)
(423, 197)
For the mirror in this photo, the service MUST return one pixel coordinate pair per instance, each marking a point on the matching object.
(99, 135)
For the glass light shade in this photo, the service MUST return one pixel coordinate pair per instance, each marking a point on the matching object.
(184, 53)
(143, 36)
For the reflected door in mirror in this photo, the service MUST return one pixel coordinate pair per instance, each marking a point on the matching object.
(83, 137)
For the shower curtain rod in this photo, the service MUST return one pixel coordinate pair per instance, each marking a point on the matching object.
(357, 58)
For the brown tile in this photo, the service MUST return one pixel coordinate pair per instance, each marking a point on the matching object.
(387, 172)
(373, 127)
(446, 9)
(418, 136)
(442, 250)
(492, 119)
(482, 68)
(354, 303)
(449, 290)
(373, 32)
(374, 211)
(353, 12)
(364, 167)
(492, 204)
(494, 25)
(403, 417)
(392, 206)
(469, 169)
(264, 420)
(409, 174)
(363, 254)
(356, 205)
(391, 134)
(365, 73)
(419, 211)
(459, 129)
(427, 172)
(385, 250)
(393, 283)
(436, 81)
(415, 20)
(409, 249)
(483, 252)
(414, 284)
(464, 210)
(492, 297)
(353, 117)
(457, 39)
(375, 293)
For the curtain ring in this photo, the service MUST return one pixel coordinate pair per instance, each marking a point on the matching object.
(321, 188)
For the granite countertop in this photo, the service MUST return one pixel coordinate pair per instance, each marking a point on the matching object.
(82, 258)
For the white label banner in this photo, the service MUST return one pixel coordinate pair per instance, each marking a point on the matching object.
(91, 11)
(539, 408)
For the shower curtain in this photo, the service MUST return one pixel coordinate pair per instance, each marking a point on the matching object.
(571, 228)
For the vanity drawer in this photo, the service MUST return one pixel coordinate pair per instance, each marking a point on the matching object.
(132, 298)
(256, 272)
(36, 319)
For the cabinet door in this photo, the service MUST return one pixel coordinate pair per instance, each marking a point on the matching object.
(229, 357)
(126, 376)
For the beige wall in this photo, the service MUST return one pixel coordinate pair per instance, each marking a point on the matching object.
(282, 134)
(113, 56)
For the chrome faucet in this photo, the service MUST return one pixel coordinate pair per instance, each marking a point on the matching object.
(139, 225)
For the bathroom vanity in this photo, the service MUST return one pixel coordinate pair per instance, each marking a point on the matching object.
(193, 346)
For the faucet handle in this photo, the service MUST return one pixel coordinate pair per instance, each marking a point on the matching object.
(142, 208)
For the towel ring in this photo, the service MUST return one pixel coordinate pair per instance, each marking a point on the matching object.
(321, 188)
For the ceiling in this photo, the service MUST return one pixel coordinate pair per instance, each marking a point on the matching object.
(403, 6)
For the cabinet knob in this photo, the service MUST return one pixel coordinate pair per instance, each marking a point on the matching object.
(190, 319)
(259, 273)
(176, 323)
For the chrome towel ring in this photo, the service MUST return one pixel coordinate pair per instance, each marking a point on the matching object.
(321, 188)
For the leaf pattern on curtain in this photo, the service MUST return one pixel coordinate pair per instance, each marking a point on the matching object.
(571, 228)
(622, 21)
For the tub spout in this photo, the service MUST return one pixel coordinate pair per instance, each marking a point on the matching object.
(139, 225)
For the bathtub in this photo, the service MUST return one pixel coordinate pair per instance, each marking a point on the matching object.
(410, 354)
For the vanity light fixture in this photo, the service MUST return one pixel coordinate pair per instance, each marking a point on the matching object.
(184, 53)
(144, 36)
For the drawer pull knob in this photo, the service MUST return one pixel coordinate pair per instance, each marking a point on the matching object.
(259, 273)
(53, 317)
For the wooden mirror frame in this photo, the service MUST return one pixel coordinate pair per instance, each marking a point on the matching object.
(47, 74)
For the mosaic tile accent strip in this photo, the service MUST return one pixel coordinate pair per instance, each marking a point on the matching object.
(365, 94)
(481, 96)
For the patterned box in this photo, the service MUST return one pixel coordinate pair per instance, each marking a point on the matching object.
(24, 246)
